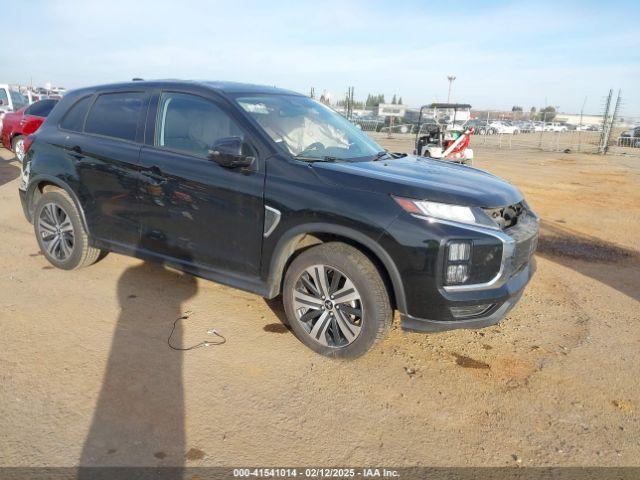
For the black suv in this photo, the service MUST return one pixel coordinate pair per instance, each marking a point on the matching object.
(269, 191)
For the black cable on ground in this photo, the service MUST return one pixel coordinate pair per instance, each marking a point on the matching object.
(204, 343)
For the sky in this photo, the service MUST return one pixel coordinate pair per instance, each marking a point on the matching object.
(533, 53)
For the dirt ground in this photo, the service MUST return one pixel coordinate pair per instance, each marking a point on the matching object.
(86, 376)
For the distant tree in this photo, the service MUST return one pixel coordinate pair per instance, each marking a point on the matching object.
(516, 108)
(547, 114)
(400, 101)
(394, 100)
(374, 100)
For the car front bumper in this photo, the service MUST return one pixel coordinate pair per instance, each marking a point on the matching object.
(425, 304)
(513, 290)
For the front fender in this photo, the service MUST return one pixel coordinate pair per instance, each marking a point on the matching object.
(287, 243)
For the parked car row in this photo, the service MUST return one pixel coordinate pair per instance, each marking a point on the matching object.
(514, 127)
(22, 111)
(16, 126)
(630, 138)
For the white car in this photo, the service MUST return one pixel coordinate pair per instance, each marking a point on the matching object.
(555, 127)
(501, 127)
(10, 100)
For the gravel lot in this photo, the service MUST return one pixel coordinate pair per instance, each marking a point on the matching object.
(86, 376)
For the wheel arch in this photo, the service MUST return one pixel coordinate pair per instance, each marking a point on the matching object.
(301, 237)
(37, 187)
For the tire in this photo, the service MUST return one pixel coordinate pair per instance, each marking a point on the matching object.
(491, 131)
(60, 232)
(17, 143)
(482, 131)
(333, 328)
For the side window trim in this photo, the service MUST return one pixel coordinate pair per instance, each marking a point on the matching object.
(157, 122)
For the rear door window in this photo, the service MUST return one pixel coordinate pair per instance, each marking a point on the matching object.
(42, 108)
(116, 115)
(74, 118)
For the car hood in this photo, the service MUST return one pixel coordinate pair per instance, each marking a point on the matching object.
(421, 178)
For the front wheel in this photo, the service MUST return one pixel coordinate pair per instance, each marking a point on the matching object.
(336, 301)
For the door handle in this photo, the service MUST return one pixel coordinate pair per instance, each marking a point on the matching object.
(76, 149)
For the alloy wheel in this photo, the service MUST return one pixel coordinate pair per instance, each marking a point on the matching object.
(328, 306)
(56, 231)
(20, 150)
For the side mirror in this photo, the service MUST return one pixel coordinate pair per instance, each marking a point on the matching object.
(1, 102)
(231, 152)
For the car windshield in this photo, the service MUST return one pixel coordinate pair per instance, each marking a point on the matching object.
(18, 99)
(307, 129)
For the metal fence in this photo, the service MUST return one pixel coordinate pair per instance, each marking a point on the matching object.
(607, 133)
(575, 141)
(569, 141)
(578, 140)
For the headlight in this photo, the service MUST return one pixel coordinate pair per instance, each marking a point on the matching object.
(445, 211)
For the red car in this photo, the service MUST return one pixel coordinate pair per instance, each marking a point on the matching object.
(17, 125)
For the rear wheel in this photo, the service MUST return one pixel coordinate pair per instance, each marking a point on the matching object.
(17, 144)
(336, 301)
(60, 233)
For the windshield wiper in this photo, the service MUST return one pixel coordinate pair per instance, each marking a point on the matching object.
(379, 155)
(316, 159)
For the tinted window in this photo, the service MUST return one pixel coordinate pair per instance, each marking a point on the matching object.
(192, 124)
(115, 115)
(3, 96)
(42, 108)
(74, 119)
(18, 99)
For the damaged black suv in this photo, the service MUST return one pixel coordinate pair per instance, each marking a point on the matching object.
(269, 191)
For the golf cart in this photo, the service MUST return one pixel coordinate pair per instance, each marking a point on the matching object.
(444, 137)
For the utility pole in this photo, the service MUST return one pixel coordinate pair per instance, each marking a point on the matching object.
(580, 129)
(604, 136)
(451, 78)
